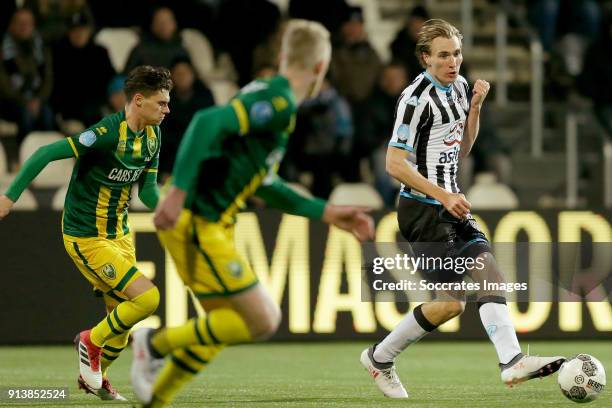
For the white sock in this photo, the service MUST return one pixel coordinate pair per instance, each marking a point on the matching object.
(409, 330)
(496, 321)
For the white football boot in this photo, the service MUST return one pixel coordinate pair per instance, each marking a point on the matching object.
(144, 366)
(384, 375)
(525, 367)
(89, 360)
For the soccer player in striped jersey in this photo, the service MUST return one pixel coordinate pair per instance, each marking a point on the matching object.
(228, 154)
(437, 122)
(111, 156)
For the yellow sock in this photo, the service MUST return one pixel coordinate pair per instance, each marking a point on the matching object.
(111, 350)
(124, 316)
(181, 367)
(219, 326)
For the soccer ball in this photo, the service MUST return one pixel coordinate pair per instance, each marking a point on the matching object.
(581, 378)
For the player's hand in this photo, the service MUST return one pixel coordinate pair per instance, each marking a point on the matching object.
(169, 209)
(479, 93)
(5, 206)
(355, 220)
(457, 205)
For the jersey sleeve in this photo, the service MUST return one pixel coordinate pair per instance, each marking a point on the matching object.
(408, 118)
(101, 136)
(265, 109)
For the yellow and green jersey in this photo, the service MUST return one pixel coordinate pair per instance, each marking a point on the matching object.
(110, 158)
(229, 152)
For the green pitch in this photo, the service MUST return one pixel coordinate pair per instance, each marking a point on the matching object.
(437, 375)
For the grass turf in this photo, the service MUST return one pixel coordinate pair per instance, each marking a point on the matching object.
(436, 375)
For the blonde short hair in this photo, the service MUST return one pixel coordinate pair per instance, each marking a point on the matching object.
(431, 29)
(305, 43)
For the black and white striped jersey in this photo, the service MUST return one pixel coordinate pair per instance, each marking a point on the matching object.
(429, 122)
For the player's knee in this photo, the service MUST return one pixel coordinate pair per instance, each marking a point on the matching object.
(454, 308)
(148, 301)
(267, 326)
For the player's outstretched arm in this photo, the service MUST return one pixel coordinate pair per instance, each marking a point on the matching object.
(399, 168)
(479, 93)
(169, 209)
(355, 220)
(31, 168)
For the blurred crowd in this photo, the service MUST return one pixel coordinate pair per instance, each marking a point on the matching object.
(54, 76)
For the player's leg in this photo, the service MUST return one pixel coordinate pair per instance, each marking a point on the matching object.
(110, 352)
(495, 318)
(105, 264)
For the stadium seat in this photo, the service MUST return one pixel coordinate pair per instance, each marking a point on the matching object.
(222, 90)
(200, 51)
(119, 42)
(57, 173)
(58, 198)
(4, 170)
(361, 194)
(489, 194)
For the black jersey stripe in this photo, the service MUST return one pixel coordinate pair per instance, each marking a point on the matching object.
(410, 108)
(434, 96)
(424, 130)
(453, 179)
(440, 175)
(451, 103)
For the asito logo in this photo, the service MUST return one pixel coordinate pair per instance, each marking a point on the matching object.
(455, 135)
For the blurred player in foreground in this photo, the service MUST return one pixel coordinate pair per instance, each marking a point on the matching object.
(117, 152)
(428, 138)
(228, 154)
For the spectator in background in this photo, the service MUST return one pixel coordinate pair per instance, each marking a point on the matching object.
(52, 16)
(321, 141)
(161, 46)
(188, 96)
(354, 71)
(596, 78)
(243, 25)
(115, 97)
(566, 29)
(404, 45)
(26, 75)
(77, 60)
(393, 81)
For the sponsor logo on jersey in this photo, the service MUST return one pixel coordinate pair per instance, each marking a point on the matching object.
(403, 132)
(413, 100)
(261, 112)
(87, 138)
(108, 271)
(124, 175)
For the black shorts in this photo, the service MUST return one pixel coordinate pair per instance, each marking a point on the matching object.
(434, 233)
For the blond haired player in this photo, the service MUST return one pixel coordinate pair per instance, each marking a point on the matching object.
(228, 154)
(435, 123)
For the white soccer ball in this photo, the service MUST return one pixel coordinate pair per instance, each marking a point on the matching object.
(582, 378)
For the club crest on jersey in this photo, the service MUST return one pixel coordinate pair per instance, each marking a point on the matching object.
(261, 112)
(152, 145)
(455, 135)
(108, 271)
(87, 138)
